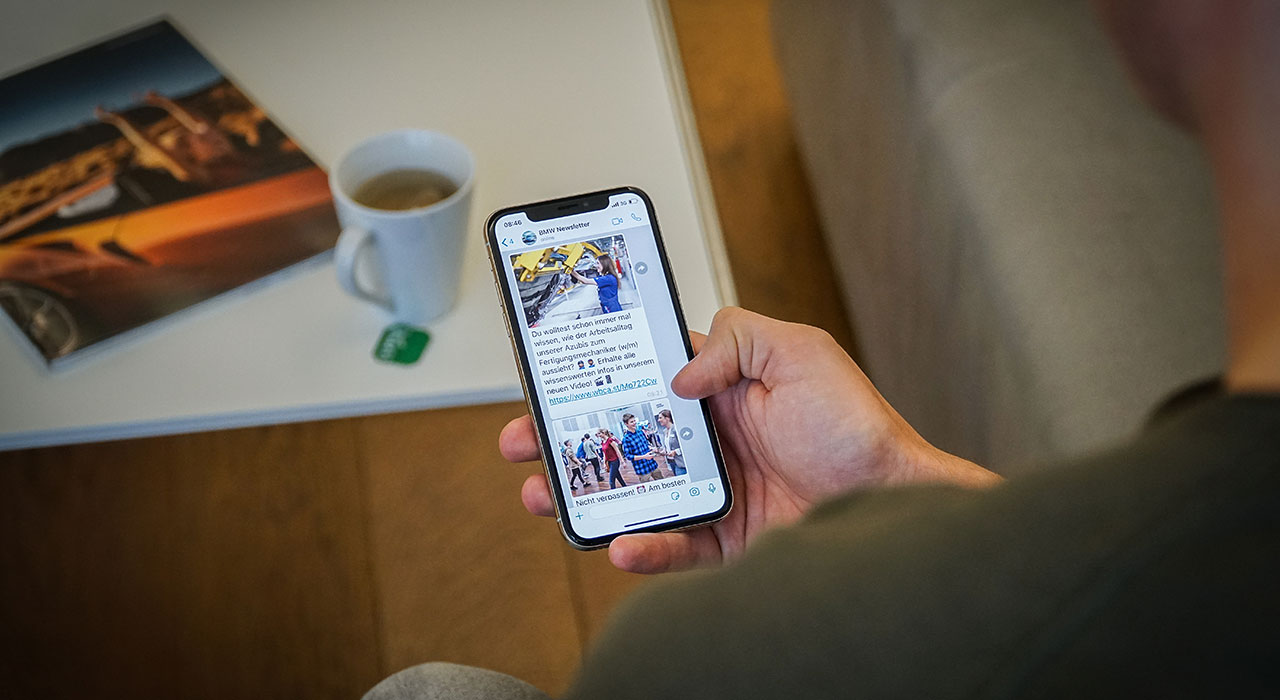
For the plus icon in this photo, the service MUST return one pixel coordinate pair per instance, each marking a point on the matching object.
(578, 516)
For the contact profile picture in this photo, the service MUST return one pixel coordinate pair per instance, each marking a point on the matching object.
(529, 238)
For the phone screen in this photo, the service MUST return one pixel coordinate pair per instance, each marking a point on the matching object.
(599, 334)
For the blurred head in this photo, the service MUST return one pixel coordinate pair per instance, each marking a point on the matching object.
(1187, 56)
(664, 418)
(604, 264)
(629, 420)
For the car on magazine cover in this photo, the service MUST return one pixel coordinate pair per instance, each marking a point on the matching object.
(71, 287)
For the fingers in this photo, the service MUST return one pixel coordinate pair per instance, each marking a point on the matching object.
(536, 496)
(651, 553)
(697, 339)
(645, 553)
(518, 441)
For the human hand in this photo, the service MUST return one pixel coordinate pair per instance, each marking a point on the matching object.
(798, 422)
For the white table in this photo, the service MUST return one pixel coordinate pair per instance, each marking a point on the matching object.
(554, 98)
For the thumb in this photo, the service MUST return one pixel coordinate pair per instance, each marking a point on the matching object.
(730, 353)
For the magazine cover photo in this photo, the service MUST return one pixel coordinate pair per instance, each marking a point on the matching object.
(135, 181)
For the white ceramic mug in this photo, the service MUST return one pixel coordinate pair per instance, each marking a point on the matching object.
(407, 261)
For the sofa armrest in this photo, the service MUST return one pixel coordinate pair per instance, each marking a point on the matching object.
(1027, 252)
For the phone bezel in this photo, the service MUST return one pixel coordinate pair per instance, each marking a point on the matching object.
(571, 205)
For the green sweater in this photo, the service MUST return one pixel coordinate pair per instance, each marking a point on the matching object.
(1148, 571)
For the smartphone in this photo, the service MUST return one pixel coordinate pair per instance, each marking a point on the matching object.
(597, 330)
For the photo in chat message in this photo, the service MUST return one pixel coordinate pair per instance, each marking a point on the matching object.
(574, 281)
(620, 452)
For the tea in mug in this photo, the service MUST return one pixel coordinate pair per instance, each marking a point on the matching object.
(396, 190)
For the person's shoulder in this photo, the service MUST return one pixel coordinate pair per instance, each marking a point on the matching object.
(970, 588)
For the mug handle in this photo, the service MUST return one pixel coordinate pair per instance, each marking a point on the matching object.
(353, 244)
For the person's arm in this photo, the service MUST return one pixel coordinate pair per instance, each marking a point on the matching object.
(627, 450)
(650, 454)
(172, 162)
(574, 273)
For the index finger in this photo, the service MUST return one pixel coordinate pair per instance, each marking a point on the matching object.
(697, 339)
(518, 441)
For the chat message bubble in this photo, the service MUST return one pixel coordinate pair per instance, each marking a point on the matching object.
(597, 362)
(631, 498)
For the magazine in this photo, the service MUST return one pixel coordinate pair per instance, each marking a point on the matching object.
(136, 181)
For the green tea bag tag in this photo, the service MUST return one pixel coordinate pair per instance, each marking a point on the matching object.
(401, 344)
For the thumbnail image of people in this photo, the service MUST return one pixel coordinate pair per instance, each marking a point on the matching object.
(620, 447)
(669, 442)
(575, 281)
(573, 467)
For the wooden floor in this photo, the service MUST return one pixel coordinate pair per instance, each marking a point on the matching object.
(311, 560)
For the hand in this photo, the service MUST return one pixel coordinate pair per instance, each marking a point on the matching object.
(799, 423)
